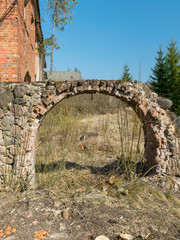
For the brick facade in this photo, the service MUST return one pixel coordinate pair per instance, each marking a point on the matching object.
(20, 35)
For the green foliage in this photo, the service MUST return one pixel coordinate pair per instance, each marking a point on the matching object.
(173, 75)
(126, 76)
(165, 78)
(60, 12)
(44, 48)
(158, 82)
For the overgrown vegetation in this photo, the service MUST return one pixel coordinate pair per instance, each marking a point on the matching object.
(84, 142)
(89, 156)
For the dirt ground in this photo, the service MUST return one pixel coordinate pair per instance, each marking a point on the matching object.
(145, 211)
(80, 194)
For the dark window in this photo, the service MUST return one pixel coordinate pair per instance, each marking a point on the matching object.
(25, 2)
(27, 77)
(32, 20)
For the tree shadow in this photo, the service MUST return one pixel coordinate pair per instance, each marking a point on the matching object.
(118, 167)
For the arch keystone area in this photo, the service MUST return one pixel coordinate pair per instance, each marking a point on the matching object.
(23, 106)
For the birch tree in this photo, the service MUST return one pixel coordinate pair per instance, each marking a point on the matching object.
(60, 12)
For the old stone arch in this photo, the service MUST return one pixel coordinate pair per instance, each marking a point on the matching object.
(29, 103)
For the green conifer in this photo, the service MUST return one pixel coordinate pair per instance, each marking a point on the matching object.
(126, 76)
(172, 60)
(165, 78)
(159, 81)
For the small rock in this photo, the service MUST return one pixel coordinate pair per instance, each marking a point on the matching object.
(36, 96)
(50, 87)
(113, 221)
(65, 213)
(102, 238)
(35, 222)
(124, 236)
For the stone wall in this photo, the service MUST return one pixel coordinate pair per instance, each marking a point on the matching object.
(23, 107)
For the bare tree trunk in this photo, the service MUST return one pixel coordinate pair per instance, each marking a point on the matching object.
(52, 46)
(52, 50)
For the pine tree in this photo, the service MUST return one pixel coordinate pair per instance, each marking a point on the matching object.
(165, 79)
(126, 76)
(159, 80)
(172, 60)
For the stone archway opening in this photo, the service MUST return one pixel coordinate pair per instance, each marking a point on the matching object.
(157, 126)
(85, 142)
(27, 104)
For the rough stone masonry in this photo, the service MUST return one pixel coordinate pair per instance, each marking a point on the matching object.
(24, 105)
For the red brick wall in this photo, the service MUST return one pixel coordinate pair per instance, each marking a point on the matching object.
(17, 42)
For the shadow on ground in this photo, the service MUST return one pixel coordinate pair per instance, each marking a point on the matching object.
(118, 167)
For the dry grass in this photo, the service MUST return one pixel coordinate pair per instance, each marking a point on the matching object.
(79, 151)
(81, 146)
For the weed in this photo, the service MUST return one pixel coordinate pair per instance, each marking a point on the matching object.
(74, 141)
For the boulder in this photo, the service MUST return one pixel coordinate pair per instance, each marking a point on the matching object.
(164, 103)
(16, 110)
(8, 121)
(5, 98)
(20, 91)
(15, 131)
(19, 101)
(172, 115)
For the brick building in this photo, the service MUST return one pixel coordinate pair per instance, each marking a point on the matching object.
(20, 36)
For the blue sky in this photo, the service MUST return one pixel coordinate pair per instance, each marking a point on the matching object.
(107, 34)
